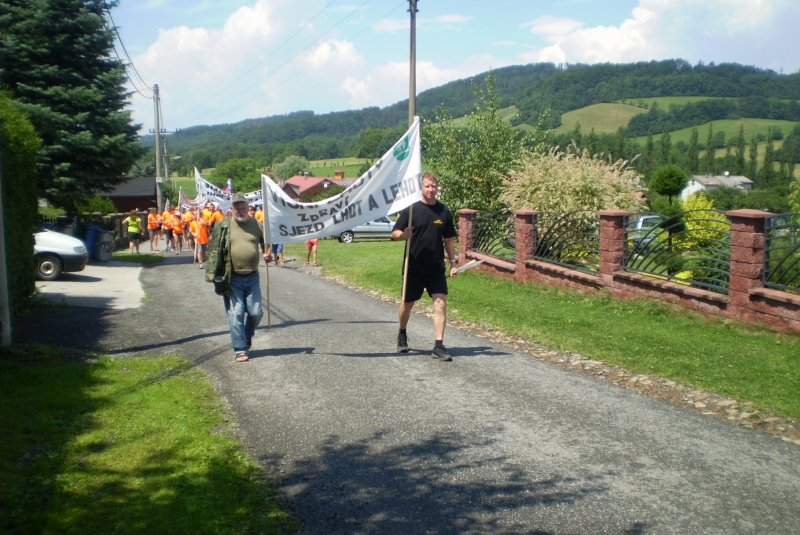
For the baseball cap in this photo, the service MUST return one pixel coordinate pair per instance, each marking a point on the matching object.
(238, 197)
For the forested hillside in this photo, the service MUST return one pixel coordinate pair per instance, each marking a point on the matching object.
(532, 88)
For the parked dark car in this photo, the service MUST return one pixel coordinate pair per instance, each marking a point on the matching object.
(56, 253)
(378, 228)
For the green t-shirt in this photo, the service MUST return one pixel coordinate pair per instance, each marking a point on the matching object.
(134, 224)
(245, 240)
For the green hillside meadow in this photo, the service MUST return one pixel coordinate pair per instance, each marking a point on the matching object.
(604, 118)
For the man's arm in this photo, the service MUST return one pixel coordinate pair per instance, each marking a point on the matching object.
(450, 247)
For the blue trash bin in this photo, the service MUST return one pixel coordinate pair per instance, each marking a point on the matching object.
(92, 232)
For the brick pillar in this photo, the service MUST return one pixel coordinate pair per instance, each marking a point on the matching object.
(526, 238)
(466, 232)
(612, 243)
(747, 254)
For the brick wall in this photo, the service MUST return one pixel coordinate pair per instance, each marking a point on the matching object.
(747, 300)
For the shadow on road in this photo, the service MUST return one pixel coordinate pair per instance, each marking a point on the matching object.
(438, 485)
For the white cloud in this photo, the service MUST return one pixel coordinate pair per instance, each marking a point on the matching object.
(553, 29)
(452, 19)
(391, 25)
(723, 31)
(332, 56)
(389, 82)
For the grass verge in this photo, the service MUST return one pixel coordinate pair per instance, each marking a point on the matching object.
(122, 446)
(645, 336)
(138, 258)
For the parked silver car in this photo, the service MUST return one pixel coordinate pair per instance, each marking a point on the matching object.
(378, 228)
(56, 253)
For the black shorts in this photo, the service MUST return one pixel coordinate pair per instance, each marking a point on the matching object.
(432, 279)
(133, 236)
(168, 234)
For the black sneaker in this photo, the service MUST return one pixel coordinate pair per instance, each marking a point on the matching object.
(440, 352)
(402, 343)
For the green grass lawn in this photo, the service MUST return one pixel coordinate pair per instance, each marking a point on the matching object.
(605, 118)
(138, 258)
(665, 102)
(644, 336)
(123, 446)
(729, 126)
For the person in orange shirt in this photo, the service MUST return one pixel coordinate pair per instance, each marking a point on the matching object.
(153, 228)
(168, 224)
(186, 219)
(207, 212)
(260, 215)
(216, 217)
(177, 233)
(199, 229)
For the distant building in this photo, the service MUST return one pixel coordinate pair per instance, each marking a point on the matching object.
(709, 183)
(305, 186)
(138, 193)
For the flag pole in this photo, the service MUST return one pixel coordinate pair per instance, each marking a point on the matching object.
(266, 264)
(407, 252)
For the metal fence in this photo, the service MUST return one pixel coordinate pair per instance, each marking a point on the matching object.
(571, 240)
(691, 248)
(495, 235)
(782, 253)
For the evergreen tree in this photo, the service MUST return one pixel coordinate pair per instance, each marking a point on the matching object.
(752, 164)
(692, 155)
(666, 145)
(790, 149)
(56, 60)
(768, 172)
(740, 168)
(619, 145)
(647, 155)
(577, 138)
(730, 161)
(710, 150)
(591, 142)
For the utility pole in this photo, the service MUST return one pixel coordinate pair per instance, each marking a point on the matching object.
(412, 78)
(157, 104)
(5, 301)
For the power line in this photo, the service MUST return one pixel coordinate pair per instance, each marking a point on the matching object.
(130, 61)
(301, 71)
(287, 62)
(248, 71)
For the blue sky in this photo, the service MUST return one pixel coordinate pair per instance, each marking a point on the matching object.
(223, 61)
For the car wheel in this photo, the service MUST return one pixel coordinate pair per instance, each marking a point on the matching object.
(346, 237)
(48, 267)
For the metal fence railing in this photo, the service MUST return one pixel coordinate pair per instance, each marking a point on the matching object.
(495, 235)
(691, 248)
(782, 253)
(571, 240)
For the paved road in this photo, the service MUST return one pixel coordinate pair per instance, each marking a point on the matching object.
(362, 440)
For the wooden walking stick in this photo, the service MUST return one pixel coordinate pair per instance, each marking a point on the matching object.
(266, 264)
(407, 253)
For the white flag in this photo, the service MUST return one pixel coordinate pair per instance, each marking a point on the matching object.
(392, 184)
(208, 192)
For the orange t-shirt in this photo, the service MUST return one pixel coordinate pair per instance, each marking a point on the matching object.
(206, 214)
(187, 217)
(152, 222)
(216, 217)
(260, 216)
(200, 231)
(177, 225)
(169, 221)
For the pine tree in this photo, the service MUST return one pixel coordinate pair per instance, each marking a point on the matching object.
(692, 155)
(710, 150)
(666, 145)
(591, 143)
(577, 138)
(768, 172)
(620, 145)
(740, 168)
(56, 59)
(752, 165)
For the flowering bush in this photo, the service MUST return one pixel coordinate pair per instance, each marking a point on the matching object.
(558, 182)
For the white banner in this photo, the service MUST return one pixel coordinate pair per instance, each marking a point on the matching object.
(393, 183)
(208, 192)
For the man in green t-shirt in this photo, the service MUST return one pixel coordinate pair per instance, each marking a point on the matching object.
(238, 237)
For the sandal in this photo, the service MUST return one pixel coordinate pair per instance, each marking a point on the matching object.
(315, 264)
(242, 357)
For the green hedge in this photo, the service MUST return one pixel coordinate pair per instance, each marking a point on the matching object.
(18, 148)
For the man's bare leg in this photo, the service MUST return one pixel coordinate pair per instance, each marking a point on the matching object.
(439, 315)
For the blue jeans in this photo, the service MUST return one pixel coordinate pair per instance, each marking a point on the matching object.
(244, 298)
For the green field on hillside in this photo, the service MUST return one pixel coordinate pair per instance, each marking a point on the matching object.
(665, 102)
(505, 114)
(605, 118)
(729, 126)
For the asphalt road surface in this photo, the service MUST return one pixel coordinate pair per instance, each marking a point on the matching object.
(360, 439)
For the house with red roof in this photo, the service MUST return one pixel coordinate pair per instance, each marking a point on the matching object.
(305, 186)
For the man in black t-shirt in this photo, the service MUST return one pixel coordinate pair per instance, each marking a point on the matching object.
(431, 234)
